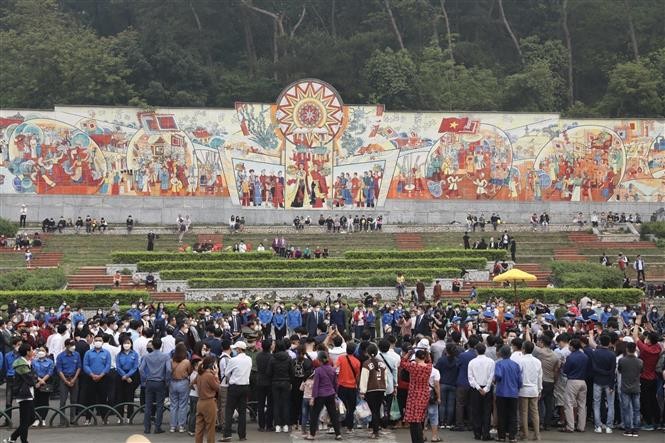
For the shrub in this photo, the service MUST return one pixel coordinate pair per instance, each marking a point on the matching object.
(467, 263)
(660, 243)
(654, 228)
(489, 254)
(8, 228)
(585, 275)
(551, 296)
(87, 299)
(377, 280)
(184, 274)
(135, 257)
(33, 280)
(191, 306)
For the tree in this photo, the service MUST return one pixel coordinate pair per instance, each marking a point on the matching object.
(391, 78)
(633, 91)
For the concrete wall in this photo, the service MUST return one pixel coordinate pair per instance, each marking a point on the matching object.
(217, 210)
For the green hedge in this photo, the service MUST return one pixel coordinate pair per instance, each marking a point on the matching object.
(184, 274)
(467, 263)
(73, 298)
(617, 296)
(585, 275)
(378, 280)
(8, 228)
(33, 280)
(135, 257)
(488, 254)
(655, 228)
(192, 306)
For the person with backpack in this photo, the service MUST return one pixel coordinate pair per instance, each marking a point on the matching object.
(280, 373)
(264, 398)
(23, 389)
(373, 387)
(302, 371)
(348, 367)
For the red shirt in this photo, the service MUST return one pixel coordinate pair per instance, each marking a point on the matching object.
(349, 371)
(649, 355)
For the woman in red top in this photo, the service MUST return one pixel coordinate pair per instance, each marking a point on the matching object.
(418, 398)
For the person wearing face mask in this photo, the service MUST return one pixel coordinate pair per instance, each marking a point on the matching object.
(68, 368)
(653, 316)
(10, 357)
(293, 319)
(338, 318)
(25, 391)
(313, 320)
(182, 334)
(181, 368)
(279, 323)
(235, 322)
(97, 365)
(134, 312)
(43, 369)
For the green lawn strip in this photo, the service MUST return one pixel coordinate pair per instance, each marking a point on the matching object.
(185, 274)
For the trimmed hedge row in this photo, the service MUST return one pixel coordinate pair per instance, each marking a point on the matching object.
(378, 280)
(552, 296)
(73, 298)
(184, 274)
(35, 280)
(585, 275)
(467, 263)
(135, 257)
(488, 254)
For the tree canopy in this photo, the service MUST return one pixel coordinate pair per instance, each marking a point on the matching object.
(577, 57)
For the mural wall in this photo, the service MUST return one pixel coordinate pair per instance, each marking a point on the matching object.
(309, 150)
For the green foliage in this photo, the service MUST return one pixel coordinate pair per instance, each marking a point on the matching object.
(633, 90)
(135, 257)
(249, 274)
(32, 280)
(8, 228)
(488, 254)
(661, 243)
(617, 296)
(391, 78)
(86, 299)
(371, 280)
(585, 275)
(368, 264)
(653, 228)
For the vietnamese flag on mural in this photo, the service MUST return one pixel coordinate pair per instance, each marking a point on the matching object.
(453, 124)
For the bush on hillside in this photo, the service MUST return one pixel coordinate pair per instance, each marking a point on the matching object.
(376, 280)
(585, 275)
(86, 299)
(33, 280)
(404, 264)
(489, 254)
(653, 228)
(8, 228)
(184, 274)
(552, 296)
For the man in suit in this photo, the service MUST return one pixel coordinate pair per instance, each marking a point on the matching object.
(235, 322)
(314, 319)
(422, 324)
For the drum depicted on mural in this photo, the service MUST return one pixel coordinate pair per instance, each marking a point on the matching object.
(310, 116)
(51, 157)
(584, 163)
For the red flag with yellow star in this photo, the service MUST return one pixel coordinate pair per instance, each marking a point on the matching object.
(453, 124)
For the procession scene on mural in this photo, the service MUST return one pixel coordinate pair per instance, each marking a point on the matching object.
(309, 150)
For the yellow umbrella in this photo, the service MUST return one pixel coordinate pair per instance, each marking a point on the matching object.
(515, 275)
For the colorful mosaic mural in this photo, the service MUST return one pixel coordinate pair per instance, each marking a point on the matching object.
(310, 150)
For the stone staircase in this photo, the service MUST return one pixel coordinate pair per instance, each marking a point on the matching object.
(409, 242)
(46, 259)
(167, 297)
(568, 254)
(590, 241)
(90, 277)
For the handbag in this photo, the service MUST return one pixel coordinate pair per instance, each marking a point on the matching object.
(395, 413)
(432, 396)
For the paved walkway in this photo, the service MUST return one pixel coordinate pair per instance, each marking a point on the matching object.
(133, 434)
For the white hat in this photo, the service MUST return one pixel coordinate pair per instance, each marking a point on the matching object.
(628, 339)
(423, 344)
(239, 345)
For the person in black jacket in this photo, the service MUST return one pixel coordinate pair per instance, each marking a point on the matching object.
(281, 372)
(24, 383)
(263, 391)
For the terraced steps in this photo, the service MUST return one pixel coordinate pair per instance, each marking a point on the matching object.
(409, 242)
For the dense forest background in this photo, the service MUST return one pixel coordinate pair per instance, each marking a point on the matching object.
(578, 57)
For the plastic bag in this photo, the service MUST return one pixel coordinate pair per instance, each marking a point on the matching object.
(324, 417)
(340, 407)
(362, 410)
(395, 413)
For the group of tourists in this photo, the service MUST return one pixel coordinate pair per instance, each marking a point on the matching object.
(490, 368)
(473, 222)
(341, 224)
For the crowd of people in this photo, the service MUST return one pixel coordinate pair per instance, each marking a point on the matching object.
(473, 222)
(492, 368)
(341, 224)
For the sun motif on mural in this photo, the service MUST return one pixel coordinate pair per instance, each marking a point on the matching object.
(309, 113)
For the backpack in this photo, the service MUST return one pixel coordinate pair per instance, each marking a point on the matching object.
(299, 369)
(404, 375)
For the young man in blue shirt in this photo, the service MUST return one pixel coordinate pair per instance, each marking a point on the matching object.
(97, 365)
(68, 368)
(575, 370)
(508, 381)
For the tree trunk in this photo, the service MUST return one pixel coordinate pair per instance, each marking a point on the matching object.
(435, 29)
(393, 22)
(196, 16)
(509, 29)
(302, 16)
(631, 31)
(278, 30)
(333, 28)
(249, 44)
(275, 49)
(569, 45)
(448, 36)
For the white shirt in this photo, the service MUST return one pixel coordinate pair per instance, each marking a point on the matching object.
(223, 361)
(141, 346)
(57, 345)
(516, 356)
(532, 376)
(392, 360)
(238, 369)
(335, 352)
(114, 351)
(481, 372)
(168, 344)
